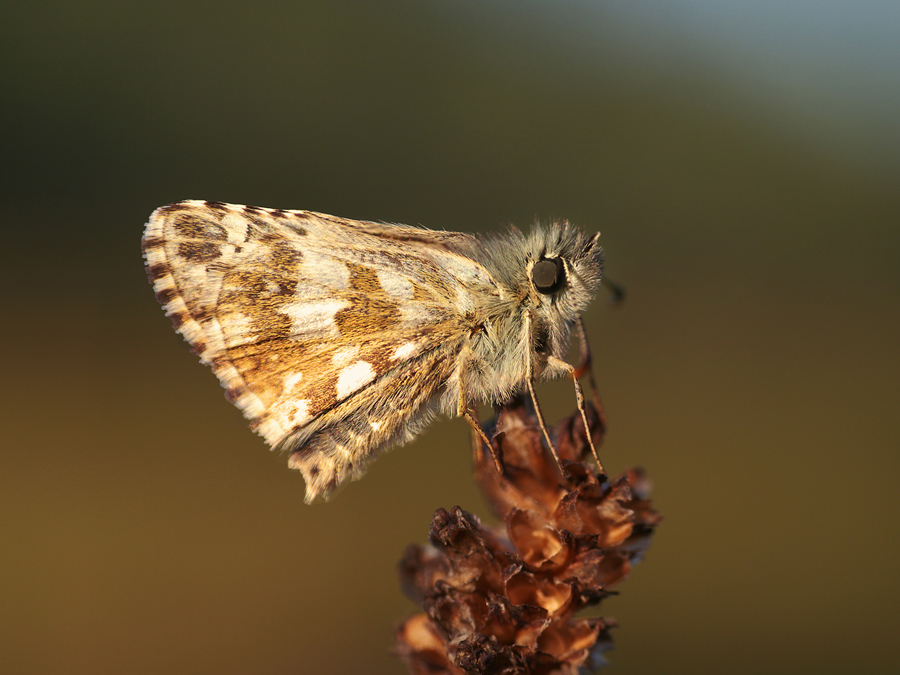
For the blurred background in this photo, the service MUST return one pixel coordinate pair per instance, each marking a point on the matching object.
(741, 161)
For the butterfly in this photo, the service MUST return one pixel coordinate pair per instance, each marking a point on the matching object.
(340, 338)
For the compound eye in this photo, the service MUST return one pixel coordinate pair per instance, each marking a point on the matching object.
(548, 275)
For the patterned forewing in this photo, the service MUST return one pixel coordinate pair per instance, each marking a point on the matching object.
(297, 311)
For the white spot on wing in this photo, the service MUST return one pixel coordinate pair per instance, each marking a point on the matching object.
(395, 286)
(236, 328)
(465, 270)
(292, 381)
(236, 226)
(313, 317)
(325, 270)
(302, 414)
(418, 314)
(344, 356)
(284, 418)
(404, 351)
(353, 377)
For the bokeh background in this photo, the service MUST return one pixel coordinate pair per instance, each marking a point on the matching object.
(741, 160)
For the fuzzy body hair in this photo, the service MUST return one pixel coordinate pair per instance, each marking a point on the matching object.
(503, 353)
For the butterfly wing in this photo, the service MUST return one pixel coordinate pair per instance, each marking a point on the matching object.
(333, 336)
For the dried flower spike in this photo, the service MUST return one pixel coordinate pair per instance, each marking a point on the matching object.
(502, 600)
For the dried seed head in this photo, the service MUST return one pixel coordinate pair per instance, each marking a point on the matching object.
(502, 600)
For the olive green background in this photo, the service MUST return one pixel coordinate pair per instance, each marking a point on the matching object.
(753, 369)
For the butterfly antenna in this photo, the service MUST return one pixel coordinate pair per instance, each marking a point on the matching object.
(617, 291)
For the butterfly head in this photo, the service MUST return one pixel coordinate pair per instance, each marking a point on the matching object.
(563, 268)
(552, 273)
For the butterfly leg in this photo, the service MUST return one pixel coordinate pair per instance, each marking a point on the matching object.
(540, 419)
(579, 398)
(529, 379)
(585, 367)
(470, 418)
(465, 412)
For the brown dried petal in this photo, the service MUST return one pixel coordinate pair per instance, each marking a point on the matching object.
(570, 439)
(474, 554)
(422, 647)
(601, 571)
(480, 654)
(513, 624)
(594, 568)
(640, 485)
(420, 570)
(457, 613)
(610, 517)
(525, 588)
(592, 510)
(534, 538)
(531, 477)
(572, 641)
